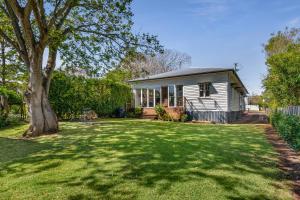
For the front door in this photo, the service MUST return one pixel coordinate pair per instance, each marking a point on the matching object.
(164, 94)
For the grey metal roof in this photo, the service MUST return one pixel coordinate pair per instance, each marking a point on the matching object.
(183, 72)
(187, 72)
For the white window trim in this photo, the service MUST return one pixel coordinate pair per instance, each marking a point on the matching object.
(141, 97)
(160, 94)
(174, 88)
(204, 90)
(147, 98)
(154, 100)
(176, 96)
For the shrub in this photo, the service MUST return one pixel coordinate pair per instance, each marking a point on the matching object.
(134, 112)
(288, 127)
(3, 121)
(162, 114)
(184, 118)
(69, 95)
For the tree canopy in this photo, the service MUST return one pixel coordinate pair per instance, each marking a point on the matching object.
(282, 83)
(141, 65)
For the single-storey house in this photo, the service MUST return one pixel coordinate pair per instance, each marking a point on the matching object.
(206, 94)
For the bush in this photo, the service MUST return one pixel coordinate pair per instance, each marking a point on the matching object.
(184, 118)
(3, 121)
(134, 112)
(162, 114)
(288, 127)
(69, 95)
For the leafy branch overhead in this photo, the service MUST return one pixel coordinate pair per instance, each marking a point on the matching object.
(93, 34)
(282, 83)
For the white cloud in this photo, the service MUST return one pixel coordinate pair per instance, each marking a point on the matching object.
(294, 22)
(211, 9)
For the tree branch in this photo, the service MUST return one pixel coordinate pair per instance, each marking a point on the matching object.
(15, 6)
(38, 12)
(18, 33)
(63, 11)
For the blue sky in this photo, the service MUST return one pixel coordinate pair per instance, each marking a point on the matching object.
(218, 33)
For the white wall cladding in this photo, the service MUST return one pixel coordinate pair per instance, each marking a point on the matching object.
(235, 100)
(218, 101)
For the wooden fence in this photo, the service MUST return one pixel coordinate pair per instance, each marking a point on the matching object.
(290, 110)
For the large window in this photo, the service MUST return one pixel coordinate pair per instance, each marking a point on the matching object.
(171, 95)
(138, 97)
(204, 89)
(157, 96)
(144, 97)
(151, 97)
(179, 95)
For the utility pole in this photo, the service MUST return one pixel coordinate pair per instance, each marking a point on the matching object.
(235, 66)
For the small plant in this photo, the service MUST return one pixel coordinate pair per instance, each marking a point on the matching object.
(3, 121)
(162, 114)
(184, 118)
(134, 112)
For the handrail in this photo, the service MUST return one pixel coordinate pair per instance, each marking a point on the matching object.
(194, 108)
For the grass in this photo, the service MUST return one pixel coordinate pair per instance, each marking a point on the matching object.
(136, 159)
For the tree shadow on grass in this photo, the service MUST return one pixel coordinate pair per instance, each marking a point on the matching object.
(111, 156)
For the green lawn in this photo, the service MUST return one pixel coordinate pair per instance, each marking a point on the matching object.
(136, 159)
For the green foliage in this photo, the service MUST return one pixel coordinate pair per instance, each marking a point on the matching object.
(282, 83)
(288, 127)
(3, 121)
(118, 75)
(134, 112)
(162, 114)
(184, 118)
(14, 98)
(93, 35)
(280, 42)
(283, 79)
(71, 95)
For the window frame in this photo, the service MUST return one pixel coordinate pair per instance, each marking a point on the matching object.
(153, 97)
(146, 96)
(177, 96)
(174, 95)
(158, 90)
(204, 88)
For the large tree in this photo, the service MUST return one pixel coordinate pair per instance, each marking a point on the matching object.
(90, 34)
(142, 65)
(282, 83)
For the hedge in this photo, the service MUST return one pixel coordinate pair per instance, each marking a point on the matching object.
(70, 96)
(288, 126)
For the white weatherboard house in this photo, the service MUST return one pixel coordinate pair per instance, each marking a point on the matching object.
(206, 94)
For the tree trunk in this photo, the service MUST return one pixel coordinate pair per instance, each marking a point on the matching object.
(4, 107)
(42, 118)
(3, 72)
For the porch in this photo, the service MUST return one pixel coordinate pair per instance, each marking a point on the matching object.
(170, 97)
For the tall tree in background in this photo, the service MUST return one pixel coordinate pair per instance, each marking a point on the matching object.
(143, 65)
(87, 33)
(11, 70)
(282, 83)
